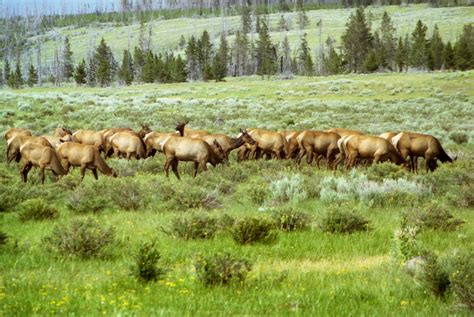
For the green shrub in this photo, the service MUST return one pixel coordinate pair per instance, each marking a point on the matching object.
(184, 196)
(342, 221)
(198, 226)
(433, 275)
(462, 277)
(251, 230)
(380, 172)
(254, 190)
(459, 137)
(3, 238)
(146, 263)
(221, 269)
(432, 217)
(288, 219)
(37, 209)
(225, 222)
(82, 238)
(287, 189)
(127, 194)
(85, 199)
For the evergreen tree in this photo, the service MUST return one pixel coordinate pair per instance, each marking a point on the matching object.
(371, 63)
(240, 54)
(464, 49)
(302, 19)
(32, 76)
(246, 19)
(68, 67)
(192, 60)
(18, 76)
(139, 62)
(204, 48)
(285, 59)
(418, 52)
(332, 62)
(388, 41)
(6, 71)
(103, 56)
(265, 52)
(80, 73)
(305, 62)
(357, 40)
(148, 75)
(182, 42)
(125, 73)
(91, 70)
(400, 54)
(141, 36)
(381, 58)
(448, 56)
(221, 60)
(407, 51)
(436, 49)
(283, 24)
(179, 74)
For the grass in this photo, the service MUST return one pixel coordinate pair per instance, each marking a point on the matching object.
(308, 272)
(166, 33)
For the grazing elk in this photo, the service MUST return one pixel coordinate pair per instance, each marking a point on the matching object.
(128, 143)
(191, 150)
(84, 156)
(417, 145)
(13, 132)
(292, 150)
(14, 144)
(90, 137)
(267, 142)
(43, 157)
(388, 135)
(195, 134)
(227, 143)
(319, 143)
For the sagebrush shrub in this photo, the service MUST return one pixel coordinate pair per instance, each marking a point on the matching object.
(342, 221)
(127, 194)
(198, 226)
(146, 266)
(462, 277)
(405, 243)
(82, 238)
(459, 137)
(221, 269)
(433, 274)
(251, 230)
(254, 190)
(37, 209)
(225, 222)
(288, 219)
(183, 196)
(86, 198)
(432, 217)
(287, 189)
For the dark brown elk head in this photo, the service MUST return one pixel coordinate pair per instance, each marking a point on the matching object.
(144, 131)
(246, 137)
(180, 127)
(219, 156)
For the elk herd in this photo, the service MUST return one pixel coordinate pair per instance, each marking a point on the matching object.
(89, 149)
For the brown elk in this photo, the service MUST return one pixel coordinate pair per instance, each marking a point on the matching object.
(291, 138)
(319, 143)
(388, 135)
(345, 132)
(227, 143)
(15, 143)
(267, 142)
(62, 132)
(43, 157)
(195, 134)
(191, 150)
(90, 137)
(84, 156)
(13, 132)
(417, 145)
(371, 147)
(128, 143)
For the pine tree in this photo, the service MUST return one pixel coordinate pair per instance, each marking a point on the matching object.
(371, 63)
(240, 54)
(141, 36)
(265, 52)
(204, 48)
(302, 19)
(246, 19)
(18, 76)
(192, 60)
(283, 24)
(148, 75)
(418, 52)
(381, 58)
(407, 51)
(400, 60)
(80, 73)
(357, 40)
(305, 62)
(91, 70)
(285, 60)
(179, 74)
(464, 49)
(448, 56)
(221, 60)
(138, 63)
(68, 67)
(436, 49)
(104, 65)
(182, 42)
(6, 71)
(388, 41)
(125, 73)
(333, 63)
(32, 76)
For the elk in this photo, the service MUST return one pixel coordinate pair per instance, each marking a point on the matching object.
(13, 132)
(227, 143)
(128, 143)
(320, 143)
(90, 137)
(15, 143)
(43, 157)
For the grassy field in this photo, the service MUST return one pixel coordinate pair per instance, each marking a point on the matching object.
(166, 33)
(308, 272)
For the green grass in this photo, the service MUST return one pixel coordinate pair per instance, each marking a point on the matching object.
(166, 33)
(306, 272)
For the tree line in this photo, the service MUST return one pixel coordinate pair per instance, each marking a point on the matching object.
(361, 49)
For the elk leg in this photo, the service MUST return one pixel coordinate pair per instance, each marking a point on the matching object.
(83, 171)
(94, 171)
(41, 172)
(309, 157)
(24, 171)
(174, 167)
(300, 156)
(167, 164)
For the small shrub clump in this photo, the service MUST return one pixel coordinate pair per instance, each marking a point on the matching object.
(342, 221)
(433, 275)
(287, 189)
(127, 195)
(405, 244)
(37, 209)
(459, 137)
(87, 199)
(291, 220)
(81, 238)
(198, 226)
(251, 230)
(462, 277)
(3, 238)
(221, 269)
(146, 267)
(433, 217)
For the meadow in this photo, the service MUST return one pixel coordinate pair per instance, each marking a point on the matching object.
(307, 272)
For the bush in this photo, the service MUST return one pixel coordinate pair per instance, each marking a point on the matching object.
(225, 222)
(199, 226)
(406, 246)
(433, 275)
(462, 277)
(221, 269)
(251, 230)
(380, 172)
(255, 190)
(82, 238)
(432, 217)
(459, 137)
(146, 259)
(86, 199)
(183, 196)
(37, 209)
(340, 221)
(287, 189)
(291, 220)
(3, 238)
(127, 194)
